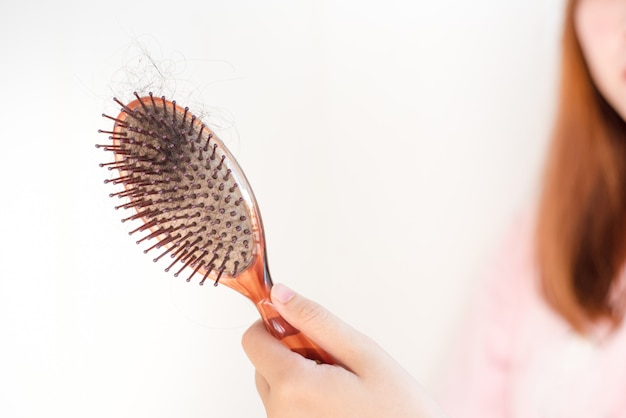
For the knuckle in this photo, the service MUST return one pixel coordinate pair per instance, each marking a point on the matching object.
(291, 389)
(249, 337)
(312, 314)
(245, 339)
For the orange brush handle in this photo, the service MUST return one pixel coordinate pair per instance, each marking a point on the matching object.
(256, 284)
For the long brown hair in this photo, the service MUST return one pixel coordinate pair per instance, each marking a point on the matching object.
(581, 224)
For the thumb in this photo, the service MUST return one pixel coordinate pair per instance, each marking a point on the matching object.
(350, 347)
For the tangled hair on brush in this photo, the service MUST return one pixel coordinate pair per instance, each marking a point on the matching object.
(581, 228)
(143, 70)
(147, 68)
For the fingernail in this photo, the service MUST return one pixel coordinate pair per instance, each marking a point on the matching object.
(282, 293)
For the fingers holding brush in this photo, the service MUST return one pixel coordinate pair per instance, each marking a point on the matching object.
(365, 383)
(348, 346)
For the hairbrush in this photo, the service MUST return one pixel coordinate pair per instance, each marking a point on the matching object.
(192, 199)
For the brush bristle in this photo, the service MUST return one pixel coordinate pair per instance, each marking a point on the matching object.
(180, 183)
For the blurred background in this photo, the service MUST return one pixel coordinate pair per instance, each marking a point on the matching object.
(389, 145)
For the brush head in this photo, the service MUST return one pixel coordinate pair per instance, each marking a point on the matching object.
(186, 188)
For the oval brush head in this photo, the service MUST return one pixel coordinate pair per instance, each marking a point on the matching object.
(193, 199)
(184, 186)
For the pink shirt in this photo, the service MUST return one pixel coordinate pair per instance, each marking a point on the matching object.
(518, 359)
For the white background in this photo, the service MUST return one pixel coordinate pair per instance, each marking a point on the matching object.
(388, 144)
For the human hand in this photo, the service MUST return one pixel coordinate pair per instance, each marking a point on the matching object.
(366, 383)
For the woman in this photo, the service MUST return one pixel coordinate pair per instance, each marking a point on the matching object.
(547, 337)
